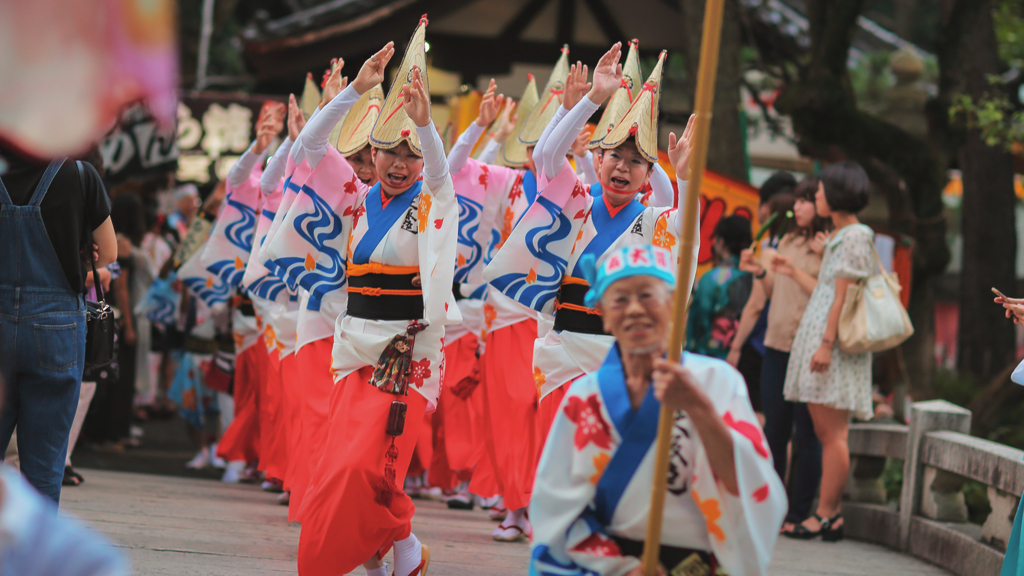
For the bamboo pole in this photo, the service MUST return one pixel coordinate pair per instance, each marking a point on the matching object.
(703, 101)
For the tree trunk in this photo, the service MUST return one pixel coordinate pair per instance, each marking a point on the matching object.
(726, 147)
(986, 341)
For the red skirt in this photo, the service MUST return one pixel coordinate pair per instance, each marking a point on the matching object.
(424, 452)
(241, 441)
(455, 451)
(510, 408)
(272, 461)
(342, 525)
(546, 412)
(314, 397)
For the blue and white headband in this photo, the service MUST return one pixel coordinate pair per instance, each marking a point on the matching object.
(637, 260)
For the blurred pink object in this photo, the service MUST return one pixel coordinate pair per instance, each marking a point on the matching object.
(67, 68)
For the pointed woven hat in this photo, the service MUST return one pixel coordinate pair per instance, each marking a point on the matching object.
(355, 128)
(310, 99)
(550, 100)
(513, 152)
(628, 90)
(393, 124)
(641, 119)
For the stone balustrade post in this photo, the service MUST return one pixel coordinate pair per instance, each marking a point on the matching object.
(925, 417)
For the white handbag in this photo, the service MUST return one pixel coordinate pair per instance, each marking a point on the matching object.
(873, 317)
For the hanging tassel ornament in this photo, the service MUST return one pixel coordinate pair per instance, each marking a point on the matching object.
(392, 375)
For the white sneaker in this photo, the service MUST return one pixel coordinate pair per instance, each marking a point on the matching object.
(233, 472)
(201, 460)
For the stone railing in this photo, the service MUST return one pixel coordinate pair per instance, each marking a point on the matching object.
(930, 519)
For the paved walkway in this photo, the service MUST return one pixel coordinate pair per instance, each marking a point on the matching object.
(193, 527)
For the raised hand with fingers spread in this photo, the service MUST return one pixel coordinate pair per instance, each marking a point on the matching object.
(296, 120)
(579, 146)
(607, 75)
(679, 151)
(416, 102)
(506, 121)
(489, 105)
(372, 72)
(335, 83)
(576, 85)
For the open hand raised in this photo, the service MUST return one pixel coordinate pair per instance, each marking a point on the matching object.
(296, 120)
(679, 151)
(506, 121)
(335, 83)
(607, 75)
(416, 102)
(372, 72)
(489, 105)
(579, 145)
(576, 85)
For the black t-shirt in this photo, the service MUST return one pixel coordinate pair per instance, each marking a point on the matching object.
(69, 213)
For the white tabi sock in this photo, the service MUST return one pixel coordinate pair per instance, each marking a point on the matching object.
(408, 554)
(381, 571)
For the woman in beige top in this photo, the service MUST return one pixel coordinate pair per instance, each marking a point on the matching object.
(789, 284)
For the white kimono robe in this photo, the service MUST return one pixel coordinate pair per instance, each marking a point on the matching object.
(565, 222)
(594, 479)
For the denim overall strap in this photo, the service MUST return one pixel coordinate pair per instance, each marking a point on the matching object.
(36, 267)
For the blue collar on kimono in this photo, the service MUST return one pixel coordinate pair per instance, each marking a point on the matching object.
(530, 186)
(608, 228)
(637, 428)
(380, 219)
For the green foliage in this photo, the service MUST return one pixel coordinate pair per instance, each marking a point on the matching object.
(993, 115)
(976, 498)
(1009, 25)
(892, 479)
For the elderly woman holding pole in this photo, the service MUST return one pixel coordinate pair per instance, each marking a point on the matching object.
(591, 499)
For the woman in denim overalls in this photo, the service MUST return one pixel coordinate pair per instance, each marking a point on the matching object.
(42, 337)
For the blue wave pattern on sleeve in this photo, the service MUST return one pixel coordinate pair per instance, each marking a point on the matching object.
(538, 239)
(240, 234)
(469, 223)
(268, 288)
(318, 228)
(209, 294)
(492, 246)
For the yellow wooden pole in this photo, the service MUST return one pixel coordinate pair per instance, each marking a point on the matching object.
(703, 101)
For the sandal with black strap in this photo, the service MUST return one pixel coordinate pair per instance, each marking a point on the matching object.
(71, 478)
(801, 532)
(829, 531)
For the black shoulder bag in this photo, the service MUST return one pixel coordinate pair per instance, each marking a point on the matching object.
(100, 326)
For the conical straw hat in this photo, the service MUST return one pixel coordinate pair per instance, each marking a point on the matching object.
(310, 99)
(550, 100)
(513, 152)
(623, 97)
(393, 124)
(641, 119)
(356, 127)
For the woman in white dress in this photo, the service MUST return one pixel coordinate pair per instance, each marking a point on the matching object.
(834, 384)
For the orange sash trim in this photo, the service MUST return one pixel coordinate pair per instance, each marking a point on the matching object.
(568, 280)
(576, 307)
(377, 268)
(373, 291)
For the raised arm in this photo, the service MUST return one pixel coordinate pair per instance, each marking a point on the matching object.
(417, 105)
(275, 168)
(662, 193)
(489, 153)
(489, 106)
(337, 101)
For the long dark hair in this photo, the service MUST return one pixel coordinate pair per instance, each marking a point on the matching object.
(806, 190)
